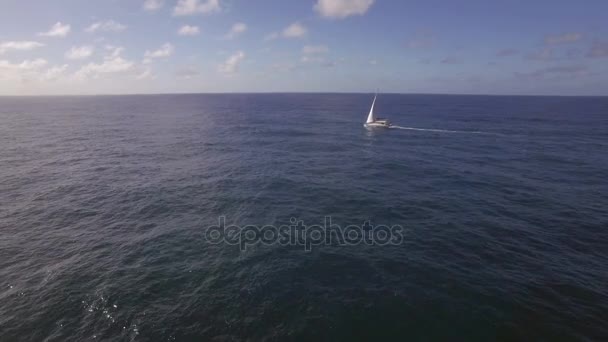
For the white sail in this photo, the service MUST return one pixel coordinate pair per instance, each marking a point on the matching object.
(370, 117)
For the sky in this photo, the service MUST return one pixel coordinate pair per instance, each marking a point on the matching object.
(531, 47)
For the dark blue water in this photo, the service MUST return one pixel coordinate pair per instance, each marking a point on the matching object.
(104, 204)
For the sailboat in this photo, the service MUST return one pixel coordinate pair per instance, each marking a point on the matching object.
(373, 121)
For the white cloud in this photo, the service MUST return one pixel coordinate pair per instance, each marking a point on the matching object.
(236, 30)
(314, 49)
(563, 38)
(28, 69)
(19, 46)
(108, 66)
(81, 52)
(106, 26)
(115, 51)
(54, 73)
(25, 65)
(295, 30)
(342, 8)
(153, 5)
(163, 52)
(188, 30)
(35, 73)
(29, 76)
(112, 64)
(231, 65)
(58, 30)
(192, 7)
(145, 74)
(35, 64)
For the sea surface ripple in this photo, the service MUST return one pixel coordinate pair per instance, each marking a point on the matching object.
(104, 202)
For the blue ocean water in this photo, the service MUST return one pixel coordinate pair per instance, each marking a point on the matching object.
(104, 204)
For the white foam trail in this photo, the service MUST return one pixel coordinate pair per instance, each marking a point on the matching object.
(438, 130)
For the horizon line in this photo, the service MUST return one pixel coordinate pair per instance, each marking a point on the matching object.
(294, 92)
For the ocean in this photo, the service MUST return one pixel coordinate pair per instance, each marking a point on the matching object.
(107, 204)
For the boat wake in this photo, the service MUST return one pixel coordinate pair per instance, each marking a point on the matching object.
(438, 130)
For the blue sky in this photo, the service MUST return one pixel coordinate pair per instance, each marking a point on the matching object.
(411, 46)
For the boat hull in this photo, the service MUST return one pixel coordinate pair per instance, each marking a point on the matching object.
(376, 125)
